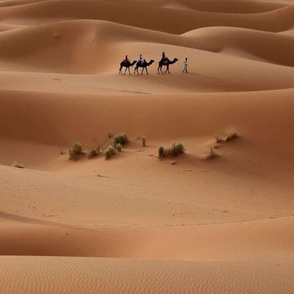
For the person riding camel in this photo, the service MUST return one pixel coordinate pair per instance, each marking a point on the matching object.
(163, 57)
(141, 59)
(127, 60)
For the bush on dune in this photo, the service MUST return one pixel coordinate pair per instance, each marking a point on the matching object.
(75, 151)
(109, 152)
(120, 139)
(173, 151)
(93, 152)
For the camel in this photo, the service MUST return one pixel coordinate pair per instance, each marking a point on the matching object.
(165, 62)
(144, 65)
(127, 65)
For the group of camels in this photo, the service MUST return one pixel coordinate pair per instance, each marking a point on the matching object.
(163, 62)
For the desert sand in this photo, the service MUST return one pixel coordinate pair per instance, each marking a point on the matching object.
(135, 223)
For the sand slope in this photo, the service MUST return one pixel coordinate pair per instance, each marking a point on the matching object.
(137, 224)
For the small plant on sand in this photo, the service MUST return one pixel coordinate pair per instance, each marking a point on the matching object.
(75, 151)
(118, 147)
(93, 152)
(218, 138)
(17, 164)
(161, 152)
(120, 139)
(174, 150)
(211, 154)
(143, 141)
(109, 152)
(231, 136)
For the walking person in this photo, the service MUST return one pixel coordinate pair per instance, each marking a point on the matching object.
(185, 66)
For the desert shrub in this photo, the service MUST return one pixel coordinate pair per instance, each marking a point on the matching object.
(218, 138)
(161, 152)
(75, 151)
(232, 135)
(120, 139)
(118, 147)
(17, 164)
(93, 152)
(143, 141)
(174, 150)
(109, 152)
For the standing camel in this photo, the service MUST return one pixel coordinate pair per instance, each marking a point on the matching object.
(165, 62)
(144, 65)
(127, 65)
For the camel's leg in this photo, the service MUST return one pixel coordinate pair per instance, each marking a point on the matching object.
(129, 71)
(125, 70)
(142, 70)
(147, 71)
(119, 71)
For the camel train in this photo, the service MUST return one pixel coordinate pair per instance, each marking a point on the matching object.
(142, 63)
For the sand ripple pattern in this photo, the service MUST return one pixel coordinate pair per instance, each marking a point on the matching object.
(91, 275)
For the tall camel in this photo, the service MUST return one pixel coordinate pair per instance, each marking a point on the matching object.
(165, 62)
(144, 65)
(127, 65)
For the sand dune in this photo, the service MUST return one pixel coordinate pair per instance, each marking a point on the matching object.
(139, 15)
(134, 223)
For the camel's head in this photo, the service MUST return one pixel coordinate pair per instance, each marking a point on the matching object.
(176, 59)
(151, 61)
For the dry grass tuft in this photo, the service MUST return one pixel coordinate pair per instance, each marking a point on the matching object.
(17, 164)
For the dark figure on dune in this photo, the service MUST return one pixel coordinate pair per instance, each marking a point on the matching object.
(143, 65)
(165, 62)
(127, 64)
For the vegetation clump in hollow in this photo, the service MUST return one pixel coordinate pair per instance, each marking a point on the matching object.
(93, 152)
(109, 152)
(118, 147)
(173, 151)
(75, 151)
(120, 139)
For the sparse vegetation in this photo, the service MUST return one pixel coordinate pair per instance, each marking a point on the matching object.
(143, 141)
(120, 139)
(109, 152)
(174, 150)
(160, 152)
(93, 152)
(231, 136)
(17, 164)
(75, 151)
(118, 147)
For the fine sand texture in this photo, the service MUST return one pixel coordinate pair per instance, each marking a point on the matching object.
(218, 218)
